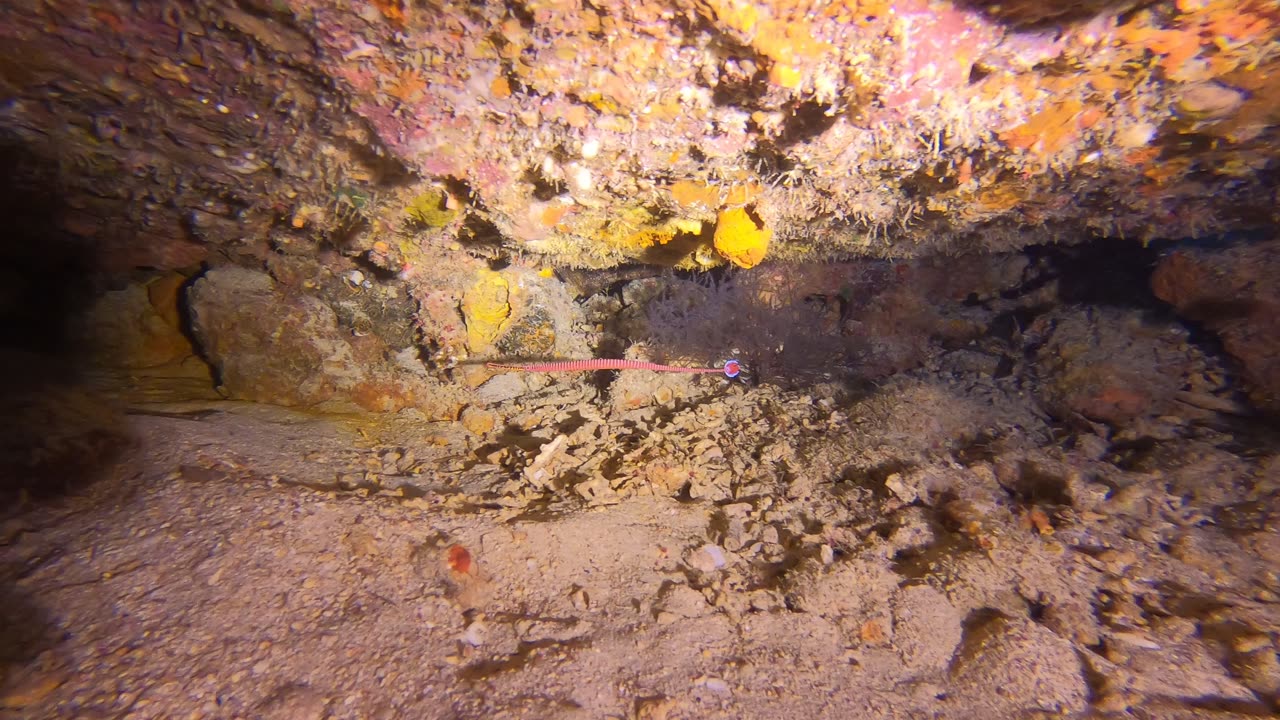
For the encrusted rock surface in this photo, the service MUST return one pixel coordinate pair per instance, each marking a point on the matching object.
(1109, 365)
(269, 346)
(691, 132)
(394, 160)
(1235, 292)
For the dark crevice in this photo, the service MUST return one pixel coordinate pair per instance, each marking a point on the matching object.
(59, 434)
(805, 122)
(1048, 15)
(544, 189)
(186, 324)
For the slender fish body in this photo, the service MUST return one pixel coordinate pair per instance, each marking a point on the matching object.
(731, 368)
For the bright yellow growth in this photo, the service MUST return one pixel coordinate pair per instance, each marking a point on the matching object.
(739, 239)
(485, 306)
(785, 75)
(634, 229)
(694, 194)
(642, 239)
(431, 209)
(692, 227)
(741, 16)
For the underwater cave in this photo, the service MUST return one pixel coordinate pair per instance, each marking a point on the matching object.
(657, 360)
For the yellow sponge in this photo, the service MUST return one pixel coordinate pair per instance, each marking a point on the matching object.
(739, 239)
(485, 305)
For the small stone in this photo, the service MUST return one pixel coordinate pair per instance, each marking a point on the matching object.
(684, 602)
(500, 388)
(477, 421)
(475, 633)
(640, 292)
(1135, 135)
(1249, 643)
(1210, 100)
(714, 684)
(900, 490)
(707, 558)
(766, 601)
(872, 633)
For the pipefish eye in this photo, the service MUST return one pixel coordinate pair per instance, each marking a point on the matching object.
(732, 368)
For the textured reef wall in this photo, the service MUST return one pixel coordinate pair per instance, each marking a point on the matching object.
(416, 184)
(618, 131)
(685, 132)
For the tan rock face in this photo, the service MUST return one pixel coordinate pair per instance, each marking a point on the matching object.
(138, 327)
(1108, 364)
(265, 348)
(271, 347)
(1233, 293)
(1011, 666)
